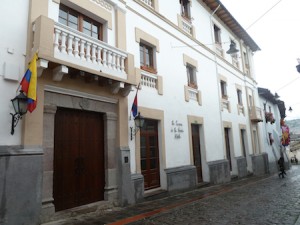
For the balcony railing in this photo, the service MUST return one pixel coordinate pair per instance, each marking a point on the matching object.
(75, 47)
(193, 94)
(219, 49)
(187, 26)
(149, 80)
(235, 62)
(225, 104)
(256, 114)
(148, 2)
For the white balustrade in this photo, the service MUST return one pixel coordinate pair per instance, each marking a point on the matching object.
(148, 2)
(225, 104)
(79, 48)
(193, 94)
(149, 80)
(186, 26)
(219, 49)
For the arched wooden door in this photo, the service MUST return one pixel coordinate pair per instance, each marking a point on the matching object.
(78, 158)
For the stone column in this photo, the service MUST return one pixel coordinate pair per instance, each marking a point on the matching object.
(110, 154)
(48, 142)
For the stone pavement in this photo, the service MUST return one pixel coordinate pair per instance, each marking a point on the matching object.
(262, 200)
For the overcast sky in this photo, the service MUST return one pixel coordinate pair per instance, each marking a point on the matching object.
(277, 33)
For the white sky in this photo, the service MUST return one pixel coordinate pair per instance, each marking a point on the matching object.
(277, 33)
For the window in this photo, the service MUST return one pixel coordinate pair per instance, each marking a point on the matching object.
(270, 110)
(147, 58)
(265, 107)
(75, 20)
(239, 96)
(191, 75)
(185, 8)
(217, 35)
(224, 89)
(246, 60)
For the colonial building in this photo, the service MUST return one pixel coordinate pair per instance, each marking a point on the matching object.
(80, 146)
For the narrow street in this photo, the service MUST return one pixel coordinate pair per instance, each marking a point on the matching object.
(256, 200)
(269, 201)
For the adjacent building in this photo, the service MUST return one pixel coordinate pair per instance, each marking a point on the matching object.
(200, 104)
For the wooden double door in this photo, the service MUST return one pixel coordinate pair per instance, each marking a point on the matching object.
(150, 154)
(78, 158)
(197, 150)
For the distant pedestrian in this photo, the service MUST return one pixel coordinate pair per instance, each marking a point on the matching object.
(281, 167)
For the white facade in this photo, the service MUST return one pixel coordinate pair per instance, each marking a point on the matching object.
(201, 106)
(12, 65)
(215, 112)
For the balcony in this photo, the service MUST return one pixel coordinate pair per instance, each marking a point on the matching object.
(219, 50)
(68, 47)
(148, 2)
(256, 114)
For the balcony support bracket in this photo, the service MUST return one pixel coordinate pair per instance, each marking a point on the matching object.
(115, 87)
(41, 65)
(125, 91)
(59, 72)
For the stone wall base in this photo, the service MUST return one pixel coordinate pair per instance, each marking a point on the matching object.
(219, 171)
(180, 178)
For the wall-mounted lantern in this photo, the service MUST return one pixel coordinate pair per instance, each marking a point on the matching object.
(20, 106)
(139, 123)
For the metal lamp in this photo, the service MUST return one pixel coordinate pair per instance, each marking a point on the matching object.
(20, 106)
(139, 123)
(232, 49)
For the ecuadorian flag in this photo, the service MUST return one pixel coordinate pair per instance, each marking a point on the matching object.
(29, 84)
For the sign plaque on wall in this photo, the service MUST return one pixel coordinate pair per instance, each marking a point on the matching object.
(177, 129)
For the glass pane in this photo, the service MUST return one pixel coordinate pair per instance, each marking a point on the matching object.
(73, 25)
(95, 35)
(87, 24)
(152, 141)
(147, 59)
(143, 142)
(94, 28)
(62, 14)
(86, 31)
(62, 21)
(73, 19)
(153, 164)
(143, 165)
(141, 55)
(153, 152)
(143, 153)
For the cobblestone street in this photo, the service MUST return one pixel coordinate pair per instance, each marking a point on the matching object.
(267, 200)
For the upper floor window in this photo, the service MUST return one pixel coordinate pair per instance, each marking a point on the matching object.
(224, 89)
(80, 22)
(185, 8)
(239, 96)
(147, 58)
(246, 60)
(191, 75)
(217, 35)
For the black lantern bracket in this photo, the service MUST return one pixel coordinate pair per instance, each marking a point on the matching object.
(139, 123)
(20, 106)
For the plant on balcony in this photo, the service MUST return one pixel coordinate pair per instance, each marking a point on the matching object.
(269, 117)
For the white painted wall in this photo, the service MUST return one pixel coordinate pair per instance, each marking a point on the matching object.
(13, 38)
(173, 44)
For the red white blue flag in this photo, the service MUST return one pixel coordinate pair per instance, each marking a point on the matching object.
(134, 108)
